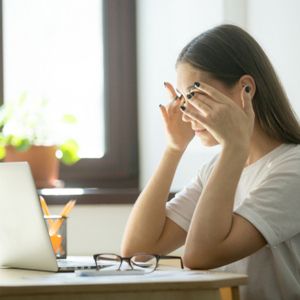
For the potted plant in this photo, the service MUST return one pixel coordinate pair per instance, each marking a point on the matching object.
(30, 130)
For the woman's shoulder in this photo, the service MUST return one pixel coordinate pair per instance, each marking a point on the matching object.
(287, 158)
(289, 152)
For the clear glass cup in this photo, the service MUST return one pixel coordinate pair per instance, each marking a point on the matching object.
(57, 227)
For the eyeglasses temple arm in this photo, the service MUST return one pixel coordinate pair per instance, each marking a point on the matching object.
(172, 257)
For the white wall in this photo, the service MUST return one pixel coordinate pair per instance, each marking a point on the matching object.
(276, 26)
(164, 27)
(95, 228)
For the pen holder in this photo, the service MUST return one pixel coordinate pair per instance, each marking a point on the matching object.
(57, 228)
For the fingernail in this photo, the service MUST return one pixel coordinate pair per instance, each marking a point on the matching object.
(177, 97)
(160, 105)
(190, 95)
(247, 89)
(165, 84)
(182, 107)
(197, 84)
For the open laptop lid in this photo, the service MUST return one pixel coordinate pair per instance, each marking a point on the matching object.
(24, 238)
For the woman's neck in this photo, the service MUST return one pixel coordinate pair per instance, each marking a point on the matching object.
(261, 144)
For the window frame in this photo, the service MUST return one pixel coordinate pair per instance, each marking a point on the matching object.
(119, 167)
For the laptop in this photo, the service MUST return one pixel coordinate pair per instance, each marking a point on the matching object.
(24, 239)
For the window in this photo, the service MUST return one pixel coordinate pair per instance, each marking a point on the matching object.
(53, 50)
(102, 36)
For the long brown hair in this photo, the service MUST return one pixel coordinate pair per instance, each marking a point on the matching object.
(228, 52)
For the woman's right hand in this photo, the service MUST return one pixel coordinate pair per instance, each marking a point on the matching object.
(179, 133)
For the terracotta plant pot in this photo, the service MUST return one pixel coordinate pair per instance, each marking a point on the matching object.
(43, 163)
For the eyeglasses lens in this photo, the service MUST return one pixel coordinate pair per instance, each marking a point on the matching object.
(144, 262)
(108, 261)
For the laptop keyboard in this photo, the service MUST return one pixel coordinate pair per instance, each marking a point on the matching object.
(71, 265)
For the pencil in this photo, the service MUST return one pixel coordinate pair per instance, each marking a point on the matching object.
(45, 209)
(64, 214)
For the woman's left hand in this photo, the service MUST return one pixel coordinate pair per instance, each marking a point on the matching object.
(230, 124)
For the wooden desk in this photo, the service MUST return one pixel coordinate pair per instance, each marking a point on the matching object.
(166, 284)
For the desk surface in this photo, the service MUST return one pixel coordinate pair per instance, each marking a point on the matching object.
(19, 283)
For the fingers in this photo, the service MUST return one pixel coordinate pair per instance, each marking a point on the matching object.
(219, 98)
(199, 101)
(170, 111)
(164, 112)
(212, 92)
(200, 107)
(173, 106)
(194, 115)
(202, 103)
(171, 91)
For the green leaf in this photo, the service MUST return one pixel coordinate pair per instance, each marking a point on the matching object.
(21, 144)
(34, 117)
(69, 151)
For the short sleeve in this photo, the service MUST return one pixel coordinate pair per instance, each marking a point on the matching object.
(181, 208)
(273, 206)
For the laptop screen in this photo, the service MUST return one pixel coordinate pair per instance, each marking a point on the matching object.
(24, 238)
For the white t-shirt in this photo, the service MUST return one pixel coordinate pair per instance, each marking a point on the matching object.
(268, 195)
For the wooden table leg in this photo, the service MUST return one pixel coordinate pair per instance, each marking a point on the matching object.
(235, 293)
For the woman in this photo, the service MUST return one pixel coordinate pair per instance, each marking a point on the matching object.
(242, 209)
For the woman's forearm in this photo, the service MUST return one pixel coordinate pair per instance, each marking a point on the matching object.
(212, 220)
(147, 219)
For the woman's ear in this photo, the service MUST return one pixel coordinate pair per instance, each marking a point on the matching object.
(248, 80)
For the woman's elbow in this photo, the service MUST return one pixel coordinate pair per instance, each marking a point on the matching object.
(197, 260)
(192, 263)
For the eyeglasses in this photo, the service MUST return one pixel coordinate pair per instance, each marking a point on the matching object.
(141, 261)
